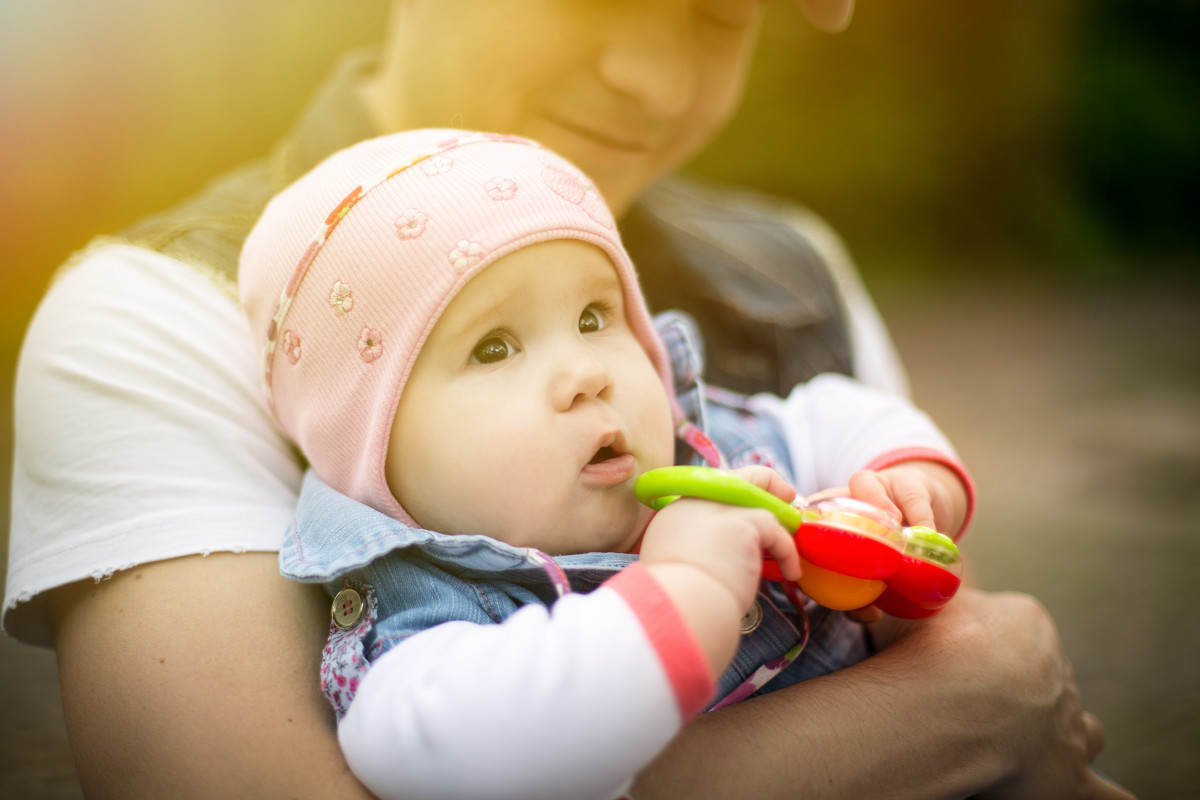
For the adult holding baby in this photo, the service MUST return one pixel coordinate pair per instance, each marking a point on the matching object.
(141, 447)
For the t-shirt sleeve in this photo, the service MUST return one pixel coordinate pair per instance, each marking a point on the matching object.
(570, 701)
(140, 434)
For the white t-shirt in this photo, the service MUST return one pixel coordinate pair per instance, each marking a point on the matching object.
(140, 433)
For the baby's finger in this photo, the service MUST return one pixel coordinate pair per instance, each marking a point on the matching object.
(840, 491)
(779, 543)
(768, 480)
(870, 487)
(911, 493)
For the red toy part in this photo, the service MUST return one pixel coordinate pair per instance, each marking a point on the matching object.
(854, 555)
(929, 575)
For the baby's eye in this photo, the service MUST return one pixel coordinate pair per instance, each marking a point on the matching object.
(491, 349)
(594, 318)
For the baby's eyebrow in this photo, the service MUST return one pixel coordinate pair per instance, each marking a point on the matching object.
(607, 286)
(458, 331)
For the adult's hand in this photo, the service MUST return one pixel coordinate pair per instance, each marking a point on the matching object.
(1041, 727)
(979, 700)
(197, 677)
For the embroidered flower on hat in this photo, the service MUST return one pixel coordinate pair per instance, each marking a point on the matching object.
(291, 345)
(341, 297)
(370, 344)
(466, 254)
(579, 191)
(410, 223)
(501, 188)
(437, 165)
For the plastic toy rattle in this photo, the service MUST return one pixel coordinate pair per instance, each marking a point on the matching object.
(852, 554)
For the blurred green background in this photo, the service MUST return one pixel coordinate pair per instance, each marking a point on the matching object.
(1017, 181)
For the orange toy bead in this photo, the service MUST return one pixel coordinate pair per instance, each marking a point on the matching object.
(836, 590)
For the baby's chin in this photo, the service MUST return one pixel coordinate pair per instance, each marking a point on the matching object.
(624, 538)
(563, 534)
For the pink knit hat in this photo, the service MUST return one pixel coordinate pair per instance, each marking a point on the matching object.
(349, 268)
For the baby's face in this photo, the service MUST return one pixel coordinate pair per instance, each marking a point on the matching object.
(532, 408)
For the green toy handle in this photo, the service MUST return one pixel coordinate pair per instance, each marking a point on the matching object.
(658, 487)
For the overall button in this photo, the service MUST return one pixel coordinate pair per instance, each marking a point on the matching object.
(348, 608)
(753, 618)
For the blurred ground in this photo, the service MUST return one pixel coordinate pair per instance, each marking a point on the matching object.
(1077, 411)
(1079, 414)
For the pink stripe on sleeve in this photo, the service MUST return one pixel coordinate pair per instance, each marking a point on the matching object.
(677, 649)
(894, 457)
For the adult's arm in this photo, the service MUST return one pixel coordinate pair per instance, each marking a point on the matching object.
(978, 701)
(197, 677)
(194, 677)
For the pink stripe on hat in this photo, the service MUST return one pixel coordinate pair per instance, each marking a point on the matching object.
(349, 268)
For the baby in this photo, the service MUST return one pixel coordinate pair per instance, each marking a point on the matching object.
(454, 336)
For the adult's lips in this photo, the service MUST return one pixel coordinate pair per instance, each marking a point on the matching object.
(623, 141)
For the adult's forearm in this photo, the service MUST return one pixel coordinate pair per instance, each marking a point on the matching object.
(851, 734)
(979, 699)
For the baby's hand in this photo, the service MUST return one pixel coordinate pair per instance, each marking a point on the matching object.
(723, 542)
(708, 557)
(920, 492)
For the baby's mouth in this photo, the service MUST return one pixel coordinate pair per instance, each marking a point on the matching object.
(604, 454)
(611, 463)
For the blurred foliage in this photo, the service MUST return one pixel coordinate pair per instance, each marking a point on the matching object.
(1056, 138)
(1135, 129)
